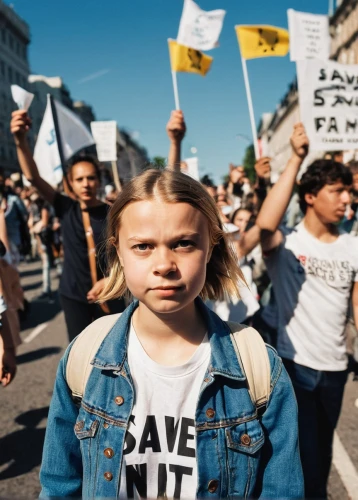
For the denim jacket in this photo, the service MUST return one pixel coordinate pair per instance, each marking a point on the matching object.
(239, 453)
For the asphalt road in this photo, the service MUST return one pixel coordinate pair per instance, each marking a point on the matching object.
(24, 404)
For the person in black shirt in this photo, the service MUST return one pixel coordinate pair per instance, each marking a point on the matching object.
(77, 294)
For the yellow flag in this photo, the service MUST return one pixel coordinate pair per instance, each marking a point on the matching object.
(188, 60)
(262, 41)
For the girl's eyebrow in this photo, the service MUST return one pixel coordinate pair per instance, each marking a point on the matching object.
(180, 236)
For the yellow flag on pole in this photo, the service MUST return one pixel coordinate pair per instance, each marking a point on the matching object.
(262, 41)
(188, 60)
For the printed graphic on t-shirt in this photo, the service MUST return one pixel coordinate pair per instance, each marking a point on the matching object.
(333, 272)
(159, 454)
(159, 457)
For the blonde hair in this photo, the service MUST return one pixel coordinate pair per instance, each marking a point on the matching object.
(223, 272)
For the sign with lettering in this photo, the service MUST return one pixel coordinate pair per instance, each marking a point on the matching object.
(328, 93)
(105, 136)
(309, 36)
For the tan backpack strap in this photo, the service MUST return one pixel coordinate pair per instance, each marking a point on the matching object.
(83, 351)
(91, 248)
(252, 353)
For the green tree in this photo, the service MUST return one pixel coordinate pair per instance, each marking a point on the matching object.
(159, 162)
(249, 162)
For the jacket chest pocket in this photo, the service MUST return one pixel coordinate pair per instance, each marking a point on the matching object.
(87, 429)
(244, 442)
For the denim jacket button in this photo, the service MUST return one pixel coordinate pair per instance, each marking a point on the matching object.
(210, 413)
(109, 453)
(106, 425)
(213, 485)
(119, 400)
(108, 476)
(245, 439)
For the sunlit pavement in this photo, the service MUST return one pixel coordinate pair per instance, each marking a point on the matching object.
(24, 404)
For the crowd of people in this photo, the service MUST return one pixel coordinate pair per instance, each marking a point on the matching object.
(281, 258)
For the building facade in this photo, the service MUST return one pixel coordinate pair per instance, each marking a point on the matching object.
(14, 69)
(344, 31)
(85, 112)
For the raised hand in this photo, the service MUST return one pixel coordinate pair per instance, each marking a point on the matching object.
(299, 141)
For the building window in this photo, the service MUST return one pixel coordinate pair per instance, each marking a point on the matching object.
(3, 35)
(11, 42)
(3, 153)
(2, 69)
(10, 74)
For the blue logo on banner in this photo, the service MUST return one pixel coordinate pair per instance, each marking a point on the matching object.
(52, 139)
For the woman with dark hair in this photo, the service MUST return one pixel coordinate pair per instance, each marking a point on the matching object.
(83, 276)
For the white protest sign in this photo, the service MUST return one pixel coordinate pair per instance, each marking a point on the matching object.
(309, 36)
(105, 135)
(199, 29)
(190, 166)
(22, 97)
(328, 93)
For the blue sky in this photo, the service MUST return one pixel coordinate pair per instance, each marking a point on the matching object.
(113, 54)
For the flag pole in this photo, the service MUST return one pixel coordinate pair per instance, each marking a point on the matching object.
(116, 180)
(57, 132)
(176, 93)
(251, 108)
(66, 185)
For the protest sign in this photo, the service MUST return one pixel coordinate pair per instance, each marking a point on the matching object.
(105, 136)
(199, 29)
(22, 97)
(328, 93)
(309, 36)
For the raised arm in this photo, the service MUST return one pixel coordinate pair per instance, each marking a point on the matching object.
(263, 179)
(277, 200)
(176, 129)
(20, 125)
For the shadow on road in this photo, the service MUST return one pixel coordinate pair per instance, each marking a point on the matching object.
(41, 312)
(32, 286)
(22, 449)
(30, 272)
(35, 355)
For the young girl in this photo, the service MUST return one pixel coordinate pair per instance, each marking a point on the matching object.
(166, 410)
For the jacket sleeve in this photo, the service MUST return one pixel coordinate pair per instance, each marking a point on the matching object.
(61, 469)
(280, 468)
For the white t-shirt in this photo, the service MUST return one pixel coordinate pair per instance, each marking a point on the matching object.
(238, 310)
(160, 448)
(312, 283)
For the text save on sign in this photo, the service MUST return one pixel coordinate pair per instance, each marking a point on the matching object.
(328, 93)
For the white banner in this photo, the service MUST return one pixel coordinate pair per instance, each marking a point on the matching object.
(328, 93)
(74, 136)
(22, 97)
(105, 136)
(309, 36)
(199, 29)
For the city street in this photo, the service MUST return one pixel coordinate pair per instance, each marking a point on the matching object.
(25, 404)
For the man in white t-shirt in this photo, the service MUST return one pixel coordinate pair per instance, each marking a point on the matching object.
(314, 271)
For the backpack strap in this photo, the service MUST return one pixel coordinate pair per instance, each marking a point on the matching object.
(82, 352)
(252, 355)
(248, 344)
